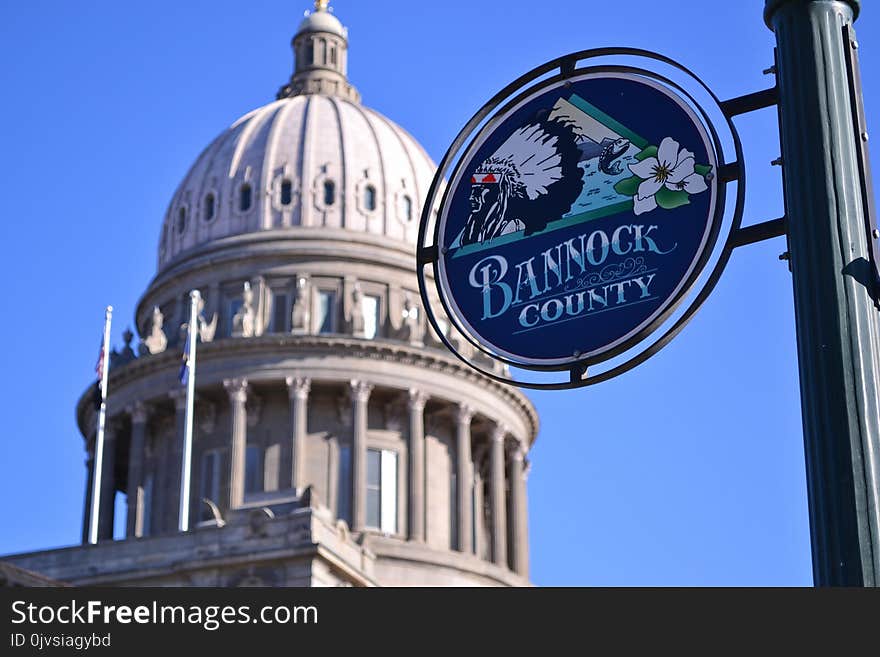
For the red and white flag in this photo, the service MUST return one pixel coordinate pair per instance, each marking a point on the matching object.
(99, 367)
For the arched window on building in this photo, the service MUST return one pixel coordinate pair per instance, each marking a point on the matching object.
(245, 198)
(329, 192)
(407, 208)
(370, 198)
(286, 192)
(181, 220)
(209, 207)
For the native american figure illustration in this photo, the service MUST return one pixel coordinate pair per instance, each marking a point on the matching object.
(532, 179)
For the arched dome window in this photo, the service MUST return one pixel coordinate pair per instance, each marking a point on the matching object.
(407, 208)
(209, 207)
(181, 220)
(329, 192)
(370, 198)
(310, 53)
(286, 192)
(245, 198)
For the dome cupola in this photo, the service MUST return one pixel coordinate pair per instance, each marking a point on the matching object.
(320, 50)
(315, 158)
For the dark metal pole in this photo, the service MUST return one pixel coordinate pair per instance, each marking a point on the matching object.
(838, 333)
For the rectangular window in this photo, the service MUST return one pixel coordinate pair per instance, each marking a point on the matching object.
(326, 312)
(272, 468)
(234, 307)
(209, 482)
(343, 487)
(453, 510)
(389, 492)
(147, 511)
(474, 516)
(253, 470)
(374, 488)
(370, 309)
(279, 313)
(382, 490)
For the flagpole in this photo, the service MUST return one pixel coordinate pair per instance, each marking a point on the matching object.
(192, 336)
(99, 438)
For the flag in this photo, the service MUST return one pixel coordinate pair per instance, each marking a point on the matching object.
(99, 367)
(97, 397)
(184, 361)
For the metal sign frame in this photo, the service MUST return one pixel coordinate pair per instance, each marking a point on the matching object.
(727, 172)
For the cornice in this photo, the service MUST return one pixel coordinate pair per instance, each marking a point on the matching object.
(434, 360)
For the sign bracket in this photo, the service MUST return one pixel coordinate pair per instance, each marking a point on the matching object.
(758, 232)
(750, 102)
(427, 255)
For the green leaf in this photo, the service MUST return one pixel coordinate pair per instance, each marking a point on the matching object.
(702, 169)
(650, 151)
(669, 200)
(628, 186)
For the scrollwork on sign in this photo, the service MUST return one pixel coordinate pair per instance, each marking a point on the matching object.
(609, 274)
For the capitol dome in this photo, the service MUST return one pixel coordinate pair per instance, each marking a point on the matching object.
(333, 438)
(318, 160)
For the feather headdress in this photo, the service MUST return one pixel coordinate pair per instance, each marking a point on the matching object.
(530, 159)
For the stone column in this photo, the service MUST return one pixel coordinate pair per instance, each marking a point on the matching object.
(87, 504)
(174, 464)
(134, 517)
(478, 514)
(464, 477)
(417, 400)
(496, 496)
(108, 483)
(518, 512)
(298, 391)
(360, 395)
(237, 390)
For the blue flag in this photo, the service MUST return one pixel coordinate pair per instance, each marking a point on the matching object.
(184, 364)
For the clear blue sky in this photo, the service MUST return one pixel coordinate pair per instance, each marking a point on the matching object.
(686, 471)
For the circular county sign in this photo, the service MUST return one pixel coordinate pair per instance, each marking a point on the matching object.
(577, 219)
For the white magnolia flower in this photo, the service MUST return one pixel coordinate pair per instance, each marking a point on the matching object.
(672, 168)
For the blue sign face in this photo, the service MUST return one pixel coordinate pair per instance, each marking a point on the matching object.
(577, 219)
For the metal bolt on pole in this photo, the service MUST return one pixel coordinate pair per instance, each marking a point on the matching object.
(828, 207)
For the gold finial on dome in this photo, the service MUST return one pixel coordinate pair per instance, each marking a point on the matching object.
(321, 5)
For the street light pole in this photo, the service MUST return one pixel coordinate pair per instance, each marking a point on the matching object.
(830, 229)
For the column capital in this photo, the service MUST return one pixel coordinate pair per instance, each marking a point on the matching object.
(464, 413)
(237, 389)
(360, 390)
(113, 426)
(178, 395)
(417, 399)
(298, 386)
(517, 453)
(138, 412)
(499, 432)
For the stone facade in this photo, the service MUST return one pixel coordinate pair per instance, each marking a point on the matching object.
(335, 441)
